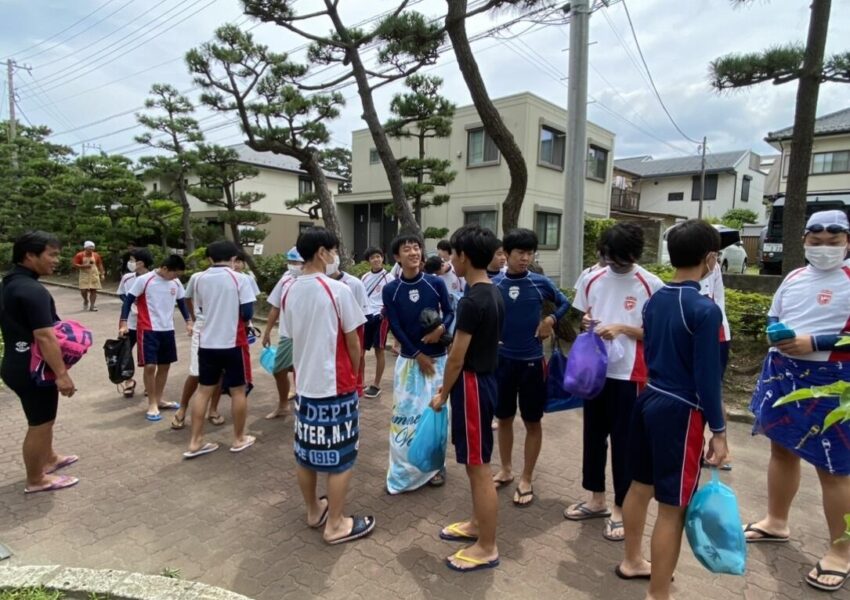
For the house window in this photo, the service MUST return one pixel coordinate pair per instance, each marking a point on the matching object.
(675, 196)
(374, 158)
(597, 162)
(710, 187)
(480, 149)
(305, 186)
(552, 146)
(484, 218)
(745, 188)
(786, 160)
(547, 226)
(155, 186)
(831, 162)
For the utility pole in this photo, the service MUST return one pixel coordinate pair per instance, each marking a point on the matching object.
(91, 147)
(572, 224)
(702, 179)
(10, 73)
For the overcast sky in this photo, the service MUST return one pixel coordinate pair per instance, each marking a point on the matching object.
(92, 59)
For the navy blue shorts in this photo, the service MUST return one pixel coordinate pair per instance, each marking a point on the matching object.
(375, 332)
(231, 366)
(523, 380)
(665, 447)
(156, 347)
(473, 401)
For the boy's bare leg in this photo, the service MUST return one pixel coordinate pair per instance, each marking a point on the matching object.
(666, 545)
(149, 377)
(533, 443)
(190, 386)
(836, 499)
(307, 480)
(380, 365)
(199, 409)
(783, 481)
(485, 509)
(634, 520)
(239, 408)
(216, 398)
(506, 449)
(338, 525)
(281, 380)
(159, 387)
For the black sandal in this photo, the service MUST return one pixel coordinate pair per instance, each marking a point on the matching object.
(362, 527)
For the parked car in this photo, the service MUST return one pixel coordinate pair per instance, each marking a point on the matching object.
(733, 257)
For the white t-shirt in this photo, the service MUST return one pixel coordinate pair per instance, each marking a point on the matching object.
(814, 302)
(252, 282)
(452, 281)
(612, 298)
(712, 286)
(155, 299)
(318, 312)
(396, 270)
(219, 293)
(583, 275)
(124, 289)
(374, 284)
(278, 291)
(359, 290)
(190, 294)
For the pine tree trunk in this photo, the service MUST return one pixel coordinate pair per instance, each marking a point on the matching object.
(805, 113)
(382, 146)
(326, 203)
(188, 235)
(493, 124)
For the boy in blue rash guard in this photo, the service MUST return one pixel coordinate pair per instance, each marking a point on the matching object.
(419, 368)
(682, 351)
(521, 373)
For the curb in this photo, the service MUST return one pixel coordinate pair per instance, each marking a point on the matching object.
(740, 416)
(115, 585)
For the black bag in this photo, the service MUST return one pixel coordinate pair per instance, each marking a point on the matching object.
(119, 359)
(429, 320)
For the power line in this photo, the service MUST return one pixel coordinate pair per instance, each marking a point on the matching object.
(651, 81)
(23, 114)
(55, 35)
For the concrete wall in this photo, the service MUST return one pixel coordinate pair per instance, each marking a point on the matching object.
(763, 284)
(282, 231)
(838, 182)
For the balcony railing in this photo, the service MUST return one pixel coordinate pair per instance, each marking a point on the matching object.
(625, 200)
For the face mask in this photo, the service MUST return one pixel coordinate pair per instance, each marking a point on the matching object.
(333, 267)
(826, 258)
(294, 270)
(131, 265)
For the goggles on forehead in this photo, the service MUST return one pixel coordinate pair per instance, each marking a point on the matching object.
(834, 228)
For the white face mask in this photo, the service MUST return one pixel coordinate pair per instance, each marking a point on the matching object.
(826, 258)
(333, 267)
(294, 270)
(131, 265)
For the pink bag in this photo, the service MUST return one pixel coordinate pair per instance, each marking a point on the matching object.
(74, 341)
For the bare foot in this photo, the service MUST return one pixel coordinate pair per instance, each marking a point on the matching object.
(503, 477)
(474, 552)
(280, 411)
(463, 528)
(586, 510)
(757, 530)
(632, 571)
(829, 563)
(316, 513)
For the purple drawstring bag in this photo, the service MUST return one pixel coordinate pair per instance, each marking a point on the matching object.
(587, 366)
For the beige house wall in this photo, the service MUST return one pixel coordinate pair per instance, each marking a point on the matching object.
(833, 182)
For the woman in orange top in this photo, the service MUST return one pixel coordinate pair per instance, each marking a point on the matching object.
(90, 266)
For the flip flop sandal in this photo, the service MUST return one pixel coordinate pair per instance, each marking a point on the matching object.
(63, 482)
(645, 576)
(216, 420)
(67, 461)
(500, 483)
(324, 518)
(764, 537)
(477, 565)
(609, 527)
(130, 390)
(821, 572)
(456, 534)
(154, 418)
(169, 406)
(250, 439)
(362, 527)
(178, 424)
(586, 513)
(205, 449)
(518, 496)
(438, 480)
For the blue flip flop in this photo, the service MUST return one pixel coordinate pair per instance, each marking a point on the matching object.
(156, 417)
(478, 565)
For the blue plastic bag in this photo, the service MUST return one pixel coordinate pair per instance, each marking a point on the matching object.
(428, 448)
(557, 398)
(714, 529)
(267, 358)
(587, 366)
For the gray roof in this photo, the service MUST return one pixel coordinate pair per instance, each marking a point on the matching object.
(837, 122)
(274, 161)
(646, 166)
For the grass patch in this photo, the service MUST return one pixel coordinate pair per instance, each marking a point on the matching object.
(31, 593)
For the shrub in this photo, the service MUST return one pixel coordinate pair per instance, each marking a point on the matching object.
(593, 228)
(269, 270)
(361, 268)
(747, 313)
(663, 272)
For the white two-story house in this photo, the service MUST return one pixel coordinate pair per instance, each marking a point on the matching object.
(482, 181)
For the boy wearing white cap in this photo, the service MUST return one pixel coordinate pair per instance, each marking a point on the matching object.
(814, 305)
(90, 267)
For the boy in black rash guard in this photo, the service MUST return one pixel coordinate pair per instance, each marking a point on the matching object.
(470, 379)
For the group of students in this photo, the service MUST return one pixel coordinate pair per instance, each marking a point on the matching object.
(470, 332)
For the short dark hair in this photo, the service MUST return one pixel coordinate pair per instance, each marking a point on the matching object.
(173, 262)
(406, 238)
(144, 255)
(433, 265)
(370, 252)
(688, 243)
(444, 245)
(314, 238)
(477, 243)
(622, 243)
(520, 239)
(33, 242)
(222, 250)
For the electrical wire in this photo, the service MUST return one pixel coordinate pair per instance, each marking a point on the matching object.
(23, 114)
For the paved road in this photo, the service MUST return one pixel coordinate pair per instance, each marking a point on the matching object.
(236, 521)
